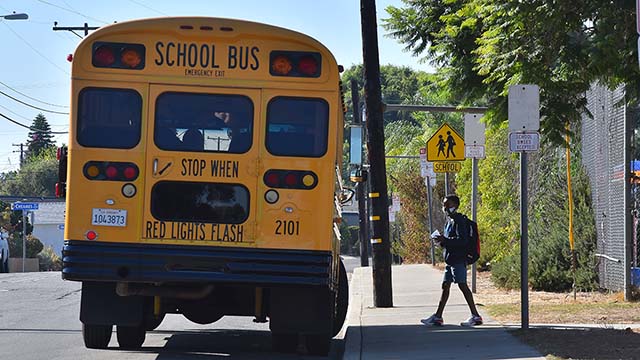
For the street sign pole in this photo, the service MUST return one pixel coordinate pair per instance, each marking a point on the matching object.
(524, 245)
(474, 212)
(429, 209)
(24, 238)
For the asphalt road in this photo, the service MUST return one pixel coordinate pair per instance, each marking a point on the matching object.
(39, 320)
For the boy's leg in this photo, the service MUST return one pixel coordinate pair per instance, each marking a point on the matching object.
(468, 296)
(446, 285)
(443, 298)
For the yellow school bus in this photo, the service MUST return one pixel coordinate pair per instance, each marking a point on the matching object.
(202, 178)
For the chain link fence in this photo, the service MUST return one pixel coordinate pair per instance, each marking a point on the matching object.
(603, 156)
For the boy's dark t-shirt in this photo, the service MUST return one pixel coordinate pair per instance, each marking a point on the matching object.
(456, 232)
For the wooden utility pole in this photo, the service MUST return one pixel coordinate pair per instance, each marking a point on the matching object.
(382, 291)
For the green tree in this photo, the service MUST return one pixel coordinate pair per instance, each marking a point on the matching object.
(36, 178)
(484, 46)
(40, 137)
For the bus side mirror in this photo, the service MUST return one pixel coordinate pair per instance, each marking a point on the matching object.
(355, 148)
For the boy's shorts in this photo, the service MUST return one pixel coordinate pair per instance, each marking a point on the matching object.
(455, 273)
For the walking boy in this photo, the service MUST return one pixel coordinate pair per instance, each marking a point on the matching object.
(454, 242)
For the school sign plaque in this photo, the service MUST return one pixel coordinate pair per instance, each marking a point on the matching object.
(446, 148)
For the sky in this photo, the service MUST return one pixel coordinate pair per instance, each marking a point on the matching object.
(34, 67)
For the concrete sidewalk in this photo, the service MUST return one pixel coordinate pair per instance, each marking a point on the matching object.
(396, 333)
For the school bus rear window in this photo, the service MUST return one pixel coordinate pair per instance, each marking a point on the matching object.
(200, 202)
(297, 126)
(203, 122)
(109, 118)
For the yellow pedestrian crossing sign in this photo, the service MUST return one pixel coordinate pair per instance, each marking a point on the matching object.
(445, 145)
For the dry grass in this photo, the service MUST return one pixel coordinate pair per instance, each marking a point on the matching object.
(599, 308)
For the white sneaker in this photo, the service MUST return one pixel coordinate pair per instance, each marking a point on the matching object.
(433, 320)
(472, 321)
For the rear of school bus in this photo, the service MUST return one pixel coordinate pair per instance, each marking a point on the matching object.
(201, 179)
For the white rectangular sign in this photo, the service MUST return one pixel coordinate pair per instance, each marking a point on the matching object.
(474, 152)
(524, 108)
(519, 142)
(474, 129)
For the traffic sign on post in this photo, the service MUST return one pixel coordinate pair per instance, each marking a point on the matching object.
(524, 142)
(524, 108)
(24, 206)
(445, 145)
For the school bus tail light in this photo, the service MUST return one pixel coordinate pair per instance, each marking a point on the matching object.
(118, 55)
(290, 179)
(110, 171)
(91, 235)
(295, 63)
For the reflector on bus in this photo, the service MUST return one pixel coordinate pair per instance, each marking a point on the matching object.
(295, 63)
(118, 55)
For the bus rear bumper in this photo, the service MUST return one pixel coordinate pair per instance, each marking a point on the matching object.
(149, 263)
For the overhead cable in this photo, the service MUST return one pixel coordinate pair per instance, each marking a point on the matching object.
(32, 98)
(33, 106)
(32, 128)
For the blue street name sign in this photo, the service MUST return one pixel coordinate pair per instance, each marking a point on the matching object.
(24, 206)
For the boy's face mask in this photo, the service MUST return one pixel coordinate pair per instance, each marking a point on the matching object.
(448, 211)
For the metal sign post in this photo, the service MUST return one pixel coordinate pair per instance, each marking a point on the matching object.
(474, 140)
(429, 175)
(24, 207)
(524, 123)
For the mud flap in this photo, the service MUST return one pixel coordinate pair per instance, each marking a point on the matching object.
(100, 305)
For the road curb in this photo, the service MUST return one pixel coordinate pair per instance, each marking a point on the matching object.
(353, 336)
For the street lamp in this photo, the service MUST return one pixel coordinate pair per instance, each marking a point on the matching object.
(14, 16)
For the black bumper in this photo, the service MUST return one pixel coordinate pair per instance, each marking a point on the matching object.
(150, 263)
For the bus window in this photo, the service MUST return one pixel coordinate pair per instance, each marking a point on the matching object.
(200, 202)
(109, 118)
(203, 122)
(297, 126)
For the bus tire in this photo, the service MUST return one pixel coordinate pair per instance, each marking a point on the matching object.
(318, 344)
(131, 337)
(284, 342)
(342, 301)
(96, 336)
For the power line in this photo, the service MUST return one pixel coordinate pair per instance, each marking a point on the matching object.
(72, 11)
(15, 113)
(33, 48)
(32, 98)
(33, 106)
(31, 128)
(147, 7)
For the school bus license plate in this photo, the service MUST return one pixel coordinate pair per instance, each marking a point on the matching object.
(109, 217)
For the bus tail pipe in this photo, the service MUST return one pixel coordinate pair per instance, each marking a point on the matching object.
(173, 291)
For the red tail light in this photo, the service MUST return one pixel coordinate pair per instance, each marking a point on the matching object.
(308, 66)
(103, 56)
(91, 235)
(130, 173)
(272, 179)
(61, 189)
(291, 179)
(111, 172)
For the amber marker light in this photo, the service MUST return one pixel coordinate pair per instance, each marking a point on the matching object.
(308, 180)
(93, 171)
(281, 65)
(130, 58)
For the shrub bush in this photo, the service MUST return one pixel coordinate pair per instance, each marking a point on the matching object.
(505, 272)
(49, 260)
(34, 246)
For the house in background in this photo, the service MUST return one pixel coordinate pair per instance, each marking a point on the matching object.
(48, 224)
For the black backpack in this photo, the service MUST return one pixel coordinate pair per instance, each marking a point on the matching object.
(473, 245)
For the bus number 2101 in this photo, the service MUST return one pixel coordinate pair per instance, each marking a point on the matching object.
(287, 227)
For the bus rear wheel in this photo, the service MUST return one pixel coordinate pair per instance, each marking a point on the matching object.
(318, 344)
(342, 301)
(131, 337)
(96, 336)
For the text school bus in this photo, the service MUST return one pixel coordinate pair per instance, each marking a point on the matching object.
(202, 179)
